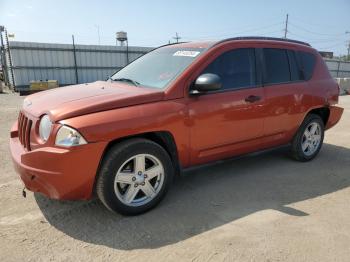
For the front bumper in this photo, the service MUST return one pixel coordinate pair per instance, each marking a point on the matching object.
(59, 173)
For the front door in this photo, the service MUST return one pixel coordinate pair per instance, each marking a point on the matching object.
(230, 121)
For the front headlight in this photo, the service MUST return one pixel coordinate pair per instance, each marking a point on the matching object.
(67, 136)
(45, 127)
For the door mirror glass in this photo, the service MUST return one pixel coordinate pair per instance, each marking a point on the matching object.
(205, 83)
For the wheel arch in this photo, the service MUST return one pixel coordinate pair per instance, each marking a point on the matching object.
(164, 138)
(323, 112)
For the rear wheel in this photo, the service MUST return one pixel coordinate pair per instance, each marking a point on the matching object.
(309, 138)
(134, 176)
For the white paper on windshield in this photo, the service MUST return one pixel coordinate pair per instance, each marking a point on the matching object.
(186, 53)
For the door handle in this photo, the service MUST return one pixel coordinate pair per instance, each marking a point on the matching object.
(252, 99)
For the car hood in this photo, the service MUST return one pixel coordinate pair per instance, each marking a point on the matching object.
(70, 101)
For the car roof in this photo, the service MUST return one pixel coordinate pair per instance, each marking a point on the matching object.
(208, 44)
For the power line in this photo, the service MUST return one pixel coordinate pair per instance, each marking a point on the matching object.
(271, 32)
(312, 24)
(334, 45)
(312, 32)
(236, 27)
(232, 33)
(318, 40)
(259, 28)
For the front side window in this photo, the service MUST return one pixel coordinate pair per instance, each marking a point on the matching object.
(276, 66)
(158, 68)
(236, 68)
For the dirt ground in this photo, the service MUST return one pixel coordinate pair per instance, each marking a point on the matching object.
(265, 207)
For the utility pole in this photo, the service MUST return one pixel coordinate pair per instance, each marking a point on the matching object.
(98, 34)
(3, 56)
(348, 57)
(75, 62)
(9, 59)
(286, 28)
(177, 37)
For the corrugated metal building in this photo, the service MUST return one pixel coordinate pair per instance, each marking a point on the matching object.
(43, 61)
(87, 63)
(338, 68)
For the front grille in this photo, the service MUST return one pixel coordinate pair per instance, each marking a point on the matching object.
(24, 127)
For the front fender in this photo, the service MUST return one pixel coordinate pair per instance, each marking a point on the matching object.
(114, 124)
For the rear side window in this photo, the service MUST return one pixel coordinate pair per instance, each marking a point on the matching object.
(295, 72)
(276, 66)
(307, 63)
(236, 68)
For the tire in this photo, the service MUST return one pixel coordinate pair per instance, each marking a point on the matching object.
(123, 184)
(305, 146)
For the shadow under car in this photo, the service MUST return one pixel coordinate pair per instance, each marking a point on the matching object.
(206, 198)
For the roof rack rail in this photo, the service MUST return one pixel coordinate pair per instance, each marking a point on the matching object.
(183, 42)
(263, 38)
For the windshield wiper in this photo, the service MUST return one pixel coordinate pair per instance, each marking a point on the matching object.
(135, 83)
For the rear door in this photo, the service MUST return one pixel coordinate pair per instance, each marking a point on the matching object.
(285, 94)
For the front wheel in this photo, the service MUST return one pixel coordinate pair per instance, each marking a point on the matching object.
(309, 139)
(134, 176)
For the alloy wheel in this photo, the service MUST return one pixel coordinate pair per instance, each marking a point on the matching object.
(311, 139)
(139, 180)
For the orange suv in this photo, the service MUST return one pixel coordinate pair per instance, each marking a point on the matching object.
(178, 106)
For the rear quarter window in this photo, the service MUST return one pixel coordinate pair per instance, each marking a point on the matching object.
(307, 63)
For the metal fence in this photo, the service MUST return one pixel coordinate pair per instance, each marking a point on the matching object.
(69, 64)
(338, 68)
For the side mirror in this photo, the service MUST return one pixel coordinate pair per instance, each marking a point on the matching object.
(205, 83)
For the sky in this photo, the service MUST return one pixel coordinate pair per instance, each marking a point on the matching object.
(322, 23)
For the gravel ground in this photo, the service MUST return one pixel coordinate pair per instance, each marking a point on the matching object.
(265, 207)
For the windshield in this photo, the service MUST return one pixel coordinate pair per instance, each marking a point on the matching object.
(158, 68)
